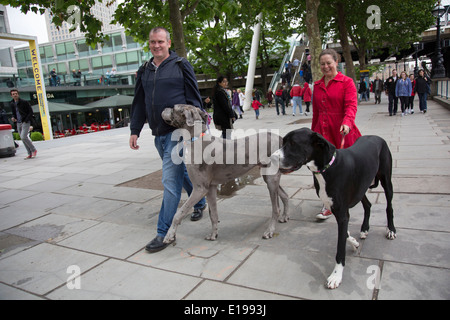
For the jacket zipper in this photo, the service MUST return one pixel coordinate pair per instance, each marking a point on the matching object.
(153, 100)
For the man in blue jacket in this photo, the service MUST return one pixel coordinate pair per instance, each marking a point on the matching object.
(162, 82)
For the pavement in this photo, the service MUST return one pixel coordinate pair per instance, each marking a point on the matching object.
(74, 226)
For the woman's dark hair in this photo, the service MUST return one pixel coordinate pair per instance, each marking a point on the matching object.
(217, 86)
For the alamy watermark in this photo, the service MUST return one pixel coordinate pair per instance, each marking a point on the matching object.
(374, 21)
(374, 280)
(74, 280)
(254, 148)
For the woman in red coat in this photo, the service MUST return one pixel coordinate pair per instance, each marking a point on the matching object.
(307, 94)
(335, 104)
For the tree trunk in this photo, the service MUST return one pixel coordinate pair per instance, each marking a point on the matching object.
(343, 36)
(177, 28)
(315, 43)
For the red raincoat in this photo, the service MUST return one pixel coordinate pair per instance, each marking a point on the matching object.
(333, 107)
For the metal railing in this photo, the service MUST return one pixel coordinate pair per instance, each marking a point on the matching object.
(443, 89)
(287, 57)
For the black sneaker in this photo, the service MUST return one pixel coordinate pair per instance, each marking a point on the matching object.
(197, 214)
(157, 244)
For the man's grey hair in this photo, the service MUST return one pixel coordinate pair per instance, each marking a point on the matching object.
(158, 29)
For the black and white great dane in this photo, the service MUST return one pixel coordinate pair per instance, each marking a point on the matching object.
(341, 178)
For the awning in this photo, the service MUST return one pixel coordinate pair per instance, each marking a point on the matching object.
(57, 107)
(111, 102)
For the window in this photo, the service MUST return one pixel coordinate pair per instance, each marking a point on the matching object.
(113, 44)
(127, 61)
(117, 41)
(23, 58)
(84, 49)
(130, 43)
(101, 64)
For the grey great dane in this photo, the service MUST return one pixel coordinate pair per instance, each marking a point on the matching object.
(211, 161)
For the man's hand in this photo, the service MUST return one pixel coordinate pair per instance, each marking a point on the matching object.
(14, 119)
(133, 142)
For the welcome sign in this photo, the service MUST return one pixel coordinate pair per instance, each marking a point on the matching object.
(40, 90)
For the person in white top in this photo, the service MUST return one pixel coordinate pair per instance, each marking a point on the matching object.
(241, 99)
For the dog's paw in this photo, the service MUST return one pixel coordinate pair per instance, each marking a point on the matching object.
(363, 234)
(391, 235)
(283, 219)
(170, 237)
(335, 278)
(353, 242)
(268, 235)
(212, 236)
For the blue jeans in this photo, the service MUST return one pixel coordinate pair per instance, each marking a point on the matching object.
(297, 101)
(174, 178)
(423, 101)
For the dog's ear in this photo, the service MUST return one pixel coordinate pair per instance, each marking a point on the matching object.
(318, 141)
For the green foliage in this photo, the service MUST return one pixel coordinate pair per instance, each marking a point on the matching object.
(16, 136)
(36, 136)
(217, 33)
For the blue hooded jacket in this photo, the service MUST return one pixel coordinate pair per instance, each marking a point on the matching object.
(157, 88)
(403, 88)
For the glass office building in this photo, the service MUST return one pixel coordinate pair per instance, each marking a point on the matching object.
(120, 53)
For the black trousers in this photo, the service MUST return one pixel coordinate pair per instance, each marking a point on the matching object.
(393, 104)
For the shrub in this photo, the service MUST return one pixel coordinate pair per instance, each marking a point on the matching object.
(16, 136)
(36, 136)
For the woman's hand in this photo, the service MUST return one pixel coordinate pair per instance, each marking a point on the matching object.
(345, 129)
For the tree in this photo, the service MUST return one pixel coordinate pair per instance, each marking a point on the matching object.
(139, 16)
(315, 42)
(343, 37)
(402, 22)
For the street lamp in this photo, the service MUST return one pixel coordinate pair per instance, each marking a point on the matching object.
(438, 67)
(416, 68)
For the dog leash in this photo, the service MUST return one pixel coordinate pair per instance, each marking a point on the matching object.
(342, 141)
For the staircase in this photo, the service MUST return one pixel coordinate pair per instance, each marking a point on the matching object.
(297, 50)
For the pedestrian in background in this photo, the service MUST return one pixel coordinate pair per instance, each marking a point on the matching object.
(422, 88)
(223, 113)
(296, 94)
(410, 105)
(279, 100)
(269, 97)
(403, 90)
(235, 103)
(389, 86)
(22, 115)
(362, 90)
(377, 89)
(307, 95)
(255, 105)
(241, 100)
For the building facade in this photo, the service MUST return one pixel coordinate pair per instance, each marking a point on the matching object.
(100, 10)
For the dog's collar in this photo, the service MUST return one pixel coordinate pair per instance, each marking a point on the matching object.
(327, 166)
